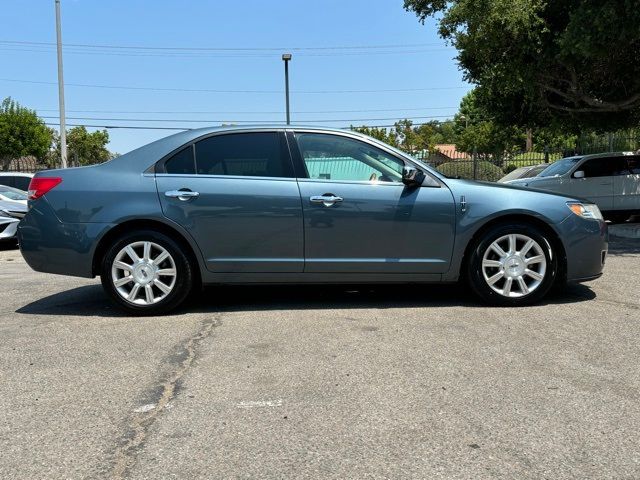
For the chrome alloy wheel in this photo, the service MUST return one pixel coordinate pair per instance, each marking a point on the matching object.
(514, 265)
(143, 273)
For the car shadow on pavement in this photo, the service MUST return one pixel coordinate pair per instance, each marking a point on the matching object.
(90, 300)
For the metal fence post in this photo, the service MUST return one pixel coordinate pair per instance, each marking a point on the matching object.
(475, 163)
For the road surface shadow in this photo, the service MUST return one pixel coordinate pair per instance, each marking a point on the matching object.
(624, 246)
(90, 300)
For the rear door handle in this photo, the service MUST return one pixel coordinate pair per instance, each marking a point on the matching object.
(328, 199)
(183, 195)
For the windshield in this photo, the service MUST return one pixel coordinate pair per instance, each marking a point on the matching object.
(560, 167)
(12, 193)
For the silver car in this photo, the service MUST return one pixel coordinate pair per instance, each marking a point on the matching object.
(10, 215)
(523, 172)
(610, 180)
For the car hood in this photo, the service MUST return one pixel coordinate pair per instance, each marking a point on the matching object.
(13, 206)
(530, 180)
(506, 187)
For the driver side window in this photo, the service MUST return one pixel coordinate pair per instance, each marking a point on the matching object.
(332, 157)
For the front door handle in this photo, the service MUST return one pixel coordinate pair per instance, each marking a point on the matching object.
(183, 195)
(328, 199)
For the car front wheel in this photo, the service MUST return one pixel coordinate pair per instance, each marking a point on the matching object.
(512, 265)
(146, 273)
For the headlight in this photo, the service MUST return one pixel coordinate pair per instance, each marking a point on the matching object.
(585, 210)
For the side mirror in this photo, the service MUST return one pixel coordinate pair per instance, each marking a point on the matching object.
(578, 174)
(411, 176)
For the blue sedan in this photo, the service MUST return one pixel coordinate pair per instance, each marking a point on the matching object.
(299, 205)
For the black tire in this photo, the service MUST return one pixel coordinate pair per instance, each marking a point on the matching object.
(184, 273)
(480, 285)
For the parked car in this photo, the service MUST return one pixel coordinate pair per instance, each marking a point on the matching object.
(610, 180)
(13, 194)
(10, 214)
(523, 172)
(16, 179)
(299, 205)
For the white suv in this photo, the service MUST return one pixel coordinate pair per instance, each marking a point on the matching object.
(611, 180)
(17, 180)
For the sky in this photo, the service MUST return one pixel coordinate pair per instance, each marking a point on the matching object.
(175, 63)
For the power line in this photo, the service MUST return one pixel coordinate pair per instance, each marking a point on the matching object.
(182, 55)
(130, 127)
(272, 112)
(246, 121)
(280, 124)
(224, 49)
(206, 90)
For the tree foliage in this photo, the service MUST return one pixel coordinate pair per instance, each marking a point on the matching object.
(22, 133)
(537, 62)
(83, 147)
(412, 138)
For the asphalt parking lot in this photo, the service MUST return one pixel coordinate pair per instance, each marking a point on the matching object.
(384, 382)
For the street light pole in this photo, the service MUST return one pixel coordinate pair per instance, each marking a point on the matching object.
(287, 57)
(63, 127)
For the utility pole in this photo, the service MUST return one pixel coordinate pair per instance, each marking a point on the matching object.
(287, 57)
(63, 126)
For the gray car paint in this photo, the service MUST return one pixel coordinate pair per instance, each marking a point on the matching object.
(397, 234)
(610, 193)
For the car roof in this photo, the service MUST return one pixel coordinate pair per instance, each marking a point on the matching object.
(16, 174)
(607, 154)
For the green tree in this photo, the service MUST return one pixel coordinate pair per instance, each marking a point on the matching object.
(85, 148)
(477, 131)
(22, 133)
(539, 61)
(382, 134)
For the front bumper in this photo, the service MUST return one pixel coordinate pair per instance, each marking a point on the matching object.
(8, 228)
(586, 243)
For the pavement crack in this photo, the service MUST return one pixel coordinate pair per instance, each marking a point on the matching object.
(164, 391)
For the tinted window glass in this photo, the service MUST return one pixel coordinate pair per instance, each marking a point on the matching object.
(22, 183)
(182, 162)
(244, 154)
(603, 167)
(7, 180)
(634, 164)
(332, 157)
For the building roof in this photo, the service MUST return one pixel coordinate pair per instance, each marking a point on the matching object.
(449, 150)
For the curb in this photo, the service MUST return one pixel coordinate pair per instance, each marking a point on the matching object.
(630, 230)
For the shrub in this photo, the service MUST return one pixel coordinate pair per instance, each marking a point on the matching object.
(486, 170)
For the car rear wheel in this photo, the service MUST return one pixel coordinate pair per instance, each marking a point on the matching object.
(512, 265)
(146, 273)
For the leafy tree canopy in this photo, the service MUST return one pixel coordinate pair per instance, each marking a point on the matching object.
(22, 133)
(537, 62)
(85, 148)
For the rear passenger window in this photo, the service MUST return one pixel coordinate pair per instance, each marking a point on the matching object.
(260, 154)
(181, 163)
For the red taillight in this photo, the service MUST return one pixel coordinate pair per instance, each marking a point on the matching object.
(41, 185)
